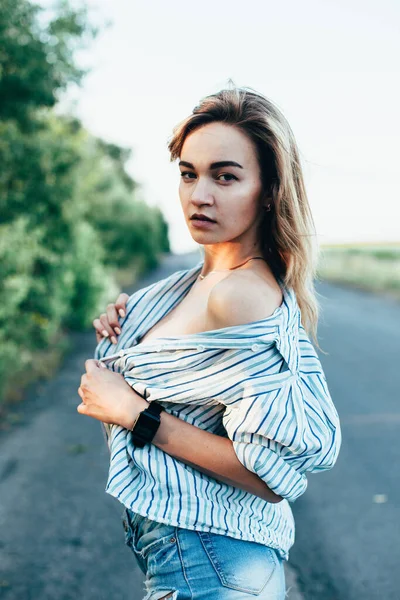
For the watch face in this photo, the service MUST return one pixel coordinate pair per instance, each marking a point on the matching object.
(145, 426)
(146, 432)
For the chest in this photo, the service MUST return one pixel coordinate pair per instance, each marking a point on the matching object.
(188, 317)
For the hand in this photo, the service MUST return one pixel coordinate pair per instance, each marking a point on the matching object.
(106, 396)
(107, 325)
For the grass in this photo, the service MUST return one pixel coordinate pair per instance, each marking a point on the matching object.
(373, 267)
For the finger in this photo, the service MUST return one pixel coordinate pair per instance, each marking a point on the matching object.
(81, 408)
(113, 322)
(101, 326)
(106, 330)
(120, 304)
(99, 330)
(91, 365)
(90, 411)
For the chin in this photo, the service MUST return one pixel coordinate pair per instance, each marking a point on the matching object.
(202, 239)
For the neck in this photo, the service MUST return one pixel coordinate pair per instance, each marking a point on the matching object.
(219, 260)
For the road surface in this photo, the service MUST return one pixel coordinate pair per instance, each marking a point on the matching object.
(61, 535)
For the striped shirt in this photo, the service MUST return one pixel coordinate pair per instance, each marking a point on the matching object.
(260, 384)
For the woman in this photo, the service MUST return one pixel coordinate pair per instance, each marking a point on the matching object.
(221, 356)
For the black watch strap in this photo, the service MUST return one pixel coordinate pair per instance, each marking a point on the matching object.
(154, 408)
(147, 424)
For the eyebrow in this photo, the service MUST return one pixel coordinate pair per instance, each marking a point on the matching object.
(215, 165)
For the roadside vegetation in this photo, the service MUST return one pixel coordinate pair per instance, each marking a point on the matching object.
(373, 267)
(71, 216)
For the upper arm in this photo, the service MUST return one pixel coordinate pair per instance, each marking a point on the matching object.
(283, 424)
(240, 299)
(284, 433)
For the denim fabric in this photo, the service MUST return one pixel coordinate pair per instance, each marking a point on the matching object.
(183, 564)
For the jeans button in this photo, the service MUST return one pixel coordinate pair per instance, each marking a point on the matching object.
(172, 540)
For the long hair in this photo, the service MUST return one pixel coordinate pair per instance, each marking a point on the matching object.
(287, 233)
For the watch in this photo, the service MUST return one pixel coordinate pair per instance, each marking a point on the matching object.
(147, 422)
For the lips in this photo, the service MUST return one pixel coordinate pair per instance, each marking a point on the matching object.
(197, 217)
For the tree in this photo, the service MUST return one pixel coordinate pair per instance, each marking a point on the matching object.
(68, 212)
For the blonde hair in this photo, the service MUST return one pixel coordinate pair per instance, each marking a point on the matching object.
(287, 233)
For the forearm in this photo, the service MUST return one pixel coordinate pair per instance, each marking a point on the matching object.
(209, 453)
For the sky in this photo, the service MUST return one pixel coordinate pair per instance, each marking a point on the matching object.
(332, 67)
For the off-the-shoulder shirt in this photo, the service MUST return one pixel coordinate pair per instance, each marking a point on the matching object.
(260, 384)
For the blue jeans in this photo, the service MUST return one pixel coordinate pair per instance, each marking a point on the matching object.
(182, 564)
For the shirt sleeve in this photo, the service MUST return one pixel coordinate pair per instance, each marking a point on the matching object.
(289, 430)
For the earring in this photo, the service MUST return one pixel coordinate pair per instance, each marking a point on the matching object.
(268, 208)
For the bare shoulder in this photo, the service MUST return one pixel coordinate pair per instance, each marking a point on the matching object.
(241, 298)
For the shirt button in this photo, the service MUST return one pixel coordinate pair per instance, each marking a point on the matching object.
(255, 347)
(159, 348)
(121, 353)
(200, 348)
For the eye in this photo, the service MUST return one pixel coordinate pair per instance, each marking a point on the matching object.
(229, 175)
(184, 173)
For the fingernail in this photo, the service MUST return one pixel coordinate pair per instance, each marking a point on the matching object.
(113, 339)
(121, 312)
(117, 330)
(105, 333)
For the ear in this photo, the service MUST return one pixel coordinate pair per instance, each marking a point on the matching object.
(266, 198)
(267, 204)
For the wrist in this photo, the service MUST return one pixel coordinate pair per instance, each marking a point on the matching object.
(132, 405)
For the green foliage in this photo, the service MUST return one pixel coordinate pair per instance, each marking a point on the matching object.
(36, 60)
(68, 212)
(18, 253)
(128, 228)
(92, 285)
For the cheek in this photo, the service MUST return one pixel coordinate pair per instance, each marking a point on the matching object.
(245, 200)
(183, 195)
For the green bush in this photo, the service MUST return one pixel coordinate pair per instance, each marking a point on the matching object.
(92, 285)
(69, 213)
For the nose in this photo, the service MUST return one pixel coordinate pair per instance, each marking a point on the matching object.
(201, 193)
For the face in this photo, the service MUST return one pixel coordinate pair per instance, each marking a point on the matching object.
(220, 178)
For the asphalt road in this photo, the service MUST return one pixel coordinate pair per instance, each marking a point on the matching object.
(61, 535)
(348, 521)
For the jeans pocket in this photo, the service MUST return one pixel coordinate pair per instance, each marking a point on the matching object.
(240, 564)
(146, 537)
(162, 553)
